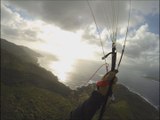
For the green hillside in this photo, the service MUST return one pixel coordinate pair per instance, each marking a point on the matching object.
(127, 105)
(130, 106)
(26, 102)
(29, 92)
(15, 69)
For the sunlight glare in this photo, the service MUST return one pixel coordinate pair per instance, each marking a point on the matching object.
(66, 46)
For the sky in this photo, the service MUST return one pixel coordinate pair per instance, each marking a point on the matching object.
(64, 32)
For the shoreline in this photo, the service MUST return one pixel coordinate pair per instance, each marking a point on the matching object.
(144, 98)
(156, 107)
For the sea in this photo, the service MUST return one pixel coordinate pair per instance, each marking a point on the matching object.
(147, 89)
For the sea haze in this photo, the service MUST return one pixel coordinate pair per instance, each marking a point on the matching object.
(149, 89)
(131, 78)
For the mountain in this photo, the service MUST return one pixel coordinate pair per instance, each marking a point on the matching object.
(20, 67)
(126, 106)
(30, 92)
(21, 52)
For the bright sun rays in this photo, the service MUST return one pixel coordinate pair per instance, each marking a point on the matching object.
(66, 46)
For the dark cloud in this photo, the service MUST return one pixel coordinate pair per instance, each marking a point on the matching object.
(69, 15)
(73, 15)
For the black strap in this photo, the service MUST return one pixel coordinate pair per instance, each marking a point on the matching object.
(109, 92)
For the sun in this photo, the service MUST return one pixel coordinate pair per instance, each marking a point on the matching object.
(67, 46)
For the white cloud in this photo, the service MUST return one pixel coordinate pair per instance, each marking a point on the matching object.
(14, 27)
(48, 31)
(142, 52)
(142, 42)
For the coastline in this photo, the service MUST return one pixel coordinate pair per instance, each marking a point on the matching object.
(130, 89)
(156, 107)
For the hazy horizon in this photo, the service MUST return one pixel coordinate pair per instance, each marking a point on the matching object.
(65, 34)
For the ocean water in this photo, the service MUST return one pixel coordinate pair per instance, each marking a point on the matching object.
(132, 78)
(146, 88)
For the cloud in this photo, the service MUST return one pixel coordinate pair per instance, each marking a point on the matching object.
(141, 54)
(142, 43)
(12, 34)
(69, 15)
(7, 16)
(73, 15)
(6, 30)
(15, 28)
(142, 50)
(90, 35)
(146, 7)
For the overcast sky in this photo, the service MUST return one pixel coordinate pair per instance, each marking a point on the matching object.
(65, 33)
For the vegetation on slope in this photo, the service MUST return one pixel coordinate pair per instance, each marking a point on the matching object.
(29, 92)
(28, 102)
(127, 105)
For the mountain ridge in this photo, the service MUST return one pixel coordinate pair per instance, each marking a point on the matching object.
(30, 92)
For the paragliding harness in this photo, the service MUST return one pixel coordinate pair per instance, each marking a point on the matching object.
(113, 60)
(109, 92)
(114, 56)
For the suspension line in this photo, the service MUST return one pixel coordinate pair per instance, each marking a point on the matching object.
(125, 37)
(97, 30)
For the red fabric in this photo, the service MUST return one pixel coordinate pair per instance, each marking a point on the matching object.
(102, 83)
